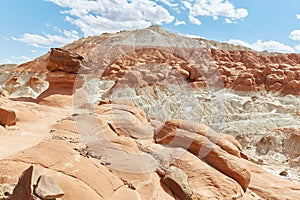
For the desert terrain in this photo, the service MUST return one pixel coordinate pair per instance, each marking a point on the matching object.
(148, 114)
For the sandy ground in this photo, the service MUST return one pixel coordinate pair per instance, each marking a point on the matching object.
(33, 125)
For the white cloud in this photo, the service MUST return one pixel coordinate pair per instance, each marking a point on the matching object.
(192, 36)
(259, 45)
(169, 3)
(215, 9)
(47, 40)
(15, 60)
(187, 4)
(295, 35)
(177, 23)
(194, 20)
(228, 21)
(99, 16)
(239, 42)
(297, 48)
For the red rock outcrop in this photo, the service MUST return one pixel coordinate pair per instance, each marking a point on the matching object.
(252, 71)
(63, 60)
(200, 65)
(7, 117)
(207, 145)
(112, 150)
(126, 119)
(268, 186)
(236, 69)
(63, 67)
(204, 179)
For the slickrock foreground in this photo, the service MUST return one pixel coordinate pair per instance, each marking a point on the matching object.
(166, 118)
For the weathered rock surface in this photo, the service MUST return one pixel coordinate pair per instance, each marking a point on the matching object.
(7, 117)
(25, 187)
(74, 174)
(46, 188)
(204, 143)
(177, 181)
(266, 185)
(205, 181)
(63, 60)
(59, 83)
(251, 71)
(126, 119)
(168, 89)
(33, 186)
(78, 174)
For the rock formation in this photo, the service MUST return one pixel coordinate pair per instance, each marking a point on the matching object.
(47, 189)
(208, 145)
(119, 116)
(7, 117)
(63, 60)
(32, 186)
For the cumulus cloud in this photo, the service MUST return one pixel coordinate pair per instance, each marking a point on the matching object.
(47, 40)
(194, 20)
(177, 23)
(215, 9)
(259, 45)
(295, 35)
(99, 16)
(298, 16)
(15, 60)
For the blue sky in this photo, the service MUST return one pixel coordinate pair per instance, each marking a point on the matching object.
(30, 27)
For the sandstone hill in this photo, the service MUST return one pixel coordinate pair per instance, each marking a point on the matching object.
(147, 114)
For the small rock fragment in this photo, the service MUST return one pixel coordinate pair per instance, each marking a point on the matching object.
(283, 173)
(177, 181)
(26, 183)
(47, 188)
(7, 117)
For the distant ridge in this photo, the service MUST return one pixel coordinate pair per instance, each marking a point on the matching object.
(154, 30)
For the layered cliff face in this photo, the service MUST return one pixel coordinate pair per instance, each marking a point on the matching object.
(147, 114)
